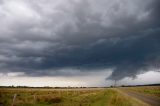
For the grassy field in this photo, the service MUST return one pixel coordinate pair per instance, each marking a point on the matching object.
(65, 97)
(148, 90)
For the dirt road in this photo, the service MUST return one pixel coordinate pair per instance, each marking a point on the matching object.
(153, 101)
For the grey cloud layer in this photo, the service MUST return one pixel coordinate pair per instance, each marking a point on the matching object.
(38, 37)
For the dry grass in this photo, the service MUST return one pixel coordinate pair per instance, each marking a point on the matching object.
(65, 97)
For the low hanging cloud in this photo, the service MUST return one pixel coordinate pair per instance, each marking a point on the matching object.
(39, 37)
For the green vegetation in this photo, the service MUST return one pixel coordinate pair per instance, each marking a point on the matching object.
(66, 97)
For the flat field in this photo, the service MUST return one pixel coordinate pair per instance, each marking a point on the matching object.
(67, 97)
(147, 90)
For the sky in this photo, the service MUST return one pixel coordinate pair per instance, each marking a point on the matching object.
(79, 42)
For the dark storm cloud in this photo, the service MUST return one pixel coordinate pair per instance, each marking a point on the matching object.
(41, 38)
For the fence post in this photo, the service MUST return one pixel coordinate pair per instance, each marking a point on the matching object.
(14, 98)
(34, 98)
(59, 93)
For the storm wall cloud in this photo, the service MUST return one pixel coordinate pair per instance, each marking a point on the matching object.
(42, 38)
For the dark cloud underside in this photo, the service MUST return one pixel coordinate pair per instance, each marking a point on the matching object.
(41, 37)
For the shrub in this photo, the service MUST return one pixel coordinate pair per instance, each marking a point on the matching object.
(54, 100)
